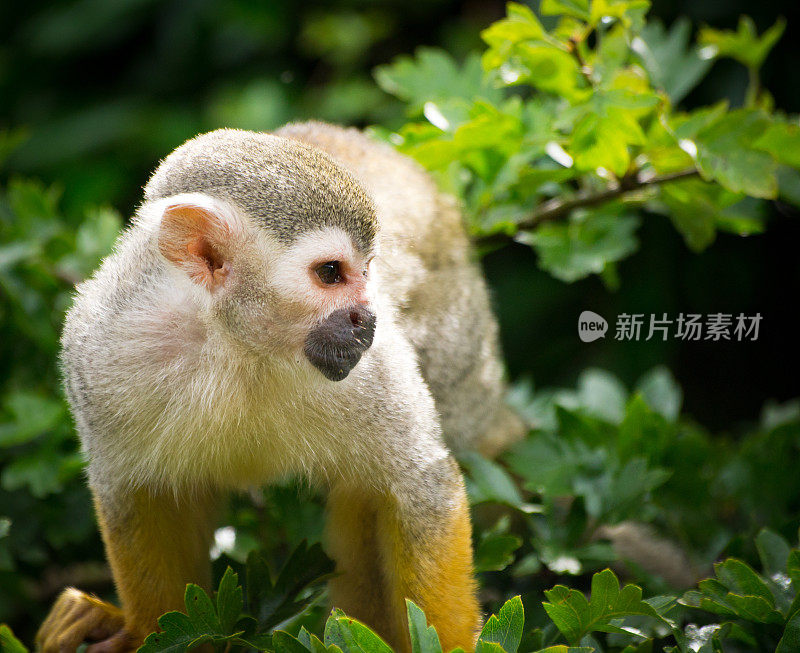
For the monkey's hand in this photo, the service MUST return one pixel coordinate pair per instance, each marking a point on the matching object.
(77, 617)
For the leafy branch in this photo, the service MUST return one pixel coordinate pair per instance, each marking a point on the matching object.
(558, 208)
(540, 112)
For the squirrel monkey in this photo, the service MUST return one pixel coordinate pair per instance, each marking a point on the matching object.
(301, 302)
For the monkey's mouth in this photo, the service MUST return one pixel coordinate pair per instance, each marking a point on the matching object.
(337, 343)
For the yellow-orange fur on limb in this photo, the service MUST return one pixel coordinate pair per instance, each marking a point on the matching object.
(385, 557)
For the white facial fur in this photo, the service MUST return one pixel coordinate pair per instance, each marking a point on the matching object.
(294, 271)
(271, 296)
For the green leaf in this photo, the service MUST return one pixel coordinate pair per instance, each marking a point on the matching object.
(628, 12)
(423, 637)
(495, 547)
(782, 140)
(793, 567)
(661, 392)
(744, 44)
(755, 608)
(433, 75)
(576, 617)
(9, 643)
(201, 610)
(229, 600)
(725, 153)
(272, 603)
(488, 647)
(790, 642)
(584, 244)
(698, 208)
(32, 414)
(602, 394)
(178, 634)
(488, 481)
(738, 591)
(550, 69)
(506, 627)
(283, 642)
(313, 643)
(576, 8)
(740, 578)
(773, 551)
(352, 636)
(601, 140)
(520, 25)
(569, 610)
(670, 61)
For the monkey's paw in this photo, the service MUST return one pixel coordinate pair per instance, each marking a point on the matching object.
(77, 617)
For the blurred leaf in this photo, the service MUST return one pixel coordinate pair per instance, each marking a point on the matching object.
(576, 8)
(274, 602)
(9, 643)
(791, 636)
(671, 63)
(488, 481)
(343, 36)
(661, 392)
(432, 75)
(782, 140)
(93, 241)
(584, 245)
(32, 414)
(629, 12)
(602, 394)
(601, 140)
(495, 548)
(773, 551)
(744, 44)
(259, 105)
(725, 154)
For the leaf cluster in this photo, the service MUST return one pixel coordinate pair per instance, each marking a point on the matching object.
(561, 137)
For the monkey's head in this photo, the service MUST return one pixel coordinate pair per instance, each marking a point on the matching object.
(270, 241)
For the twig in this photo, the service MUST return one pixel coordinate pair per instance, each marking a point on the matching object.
(585, 70)
(558, 208)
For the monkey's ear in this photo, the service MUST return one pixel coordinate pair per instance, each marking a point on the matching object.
(194, 237)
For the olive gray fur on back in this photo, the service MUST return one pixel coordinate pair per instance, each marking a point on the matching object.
(290, 187)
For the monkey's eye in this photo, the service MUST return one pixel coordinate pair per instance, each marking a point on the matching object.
(329, 273)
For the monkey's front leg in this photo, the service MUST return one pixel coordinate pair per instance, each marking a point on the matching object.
(413, 541)
(155, 544)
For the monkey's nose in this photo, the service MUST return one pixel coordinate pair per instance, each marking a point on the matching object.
(336, 344)
(363, 323)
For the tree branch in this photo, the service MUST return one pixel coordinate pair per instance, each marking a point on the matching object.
(557, 208)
